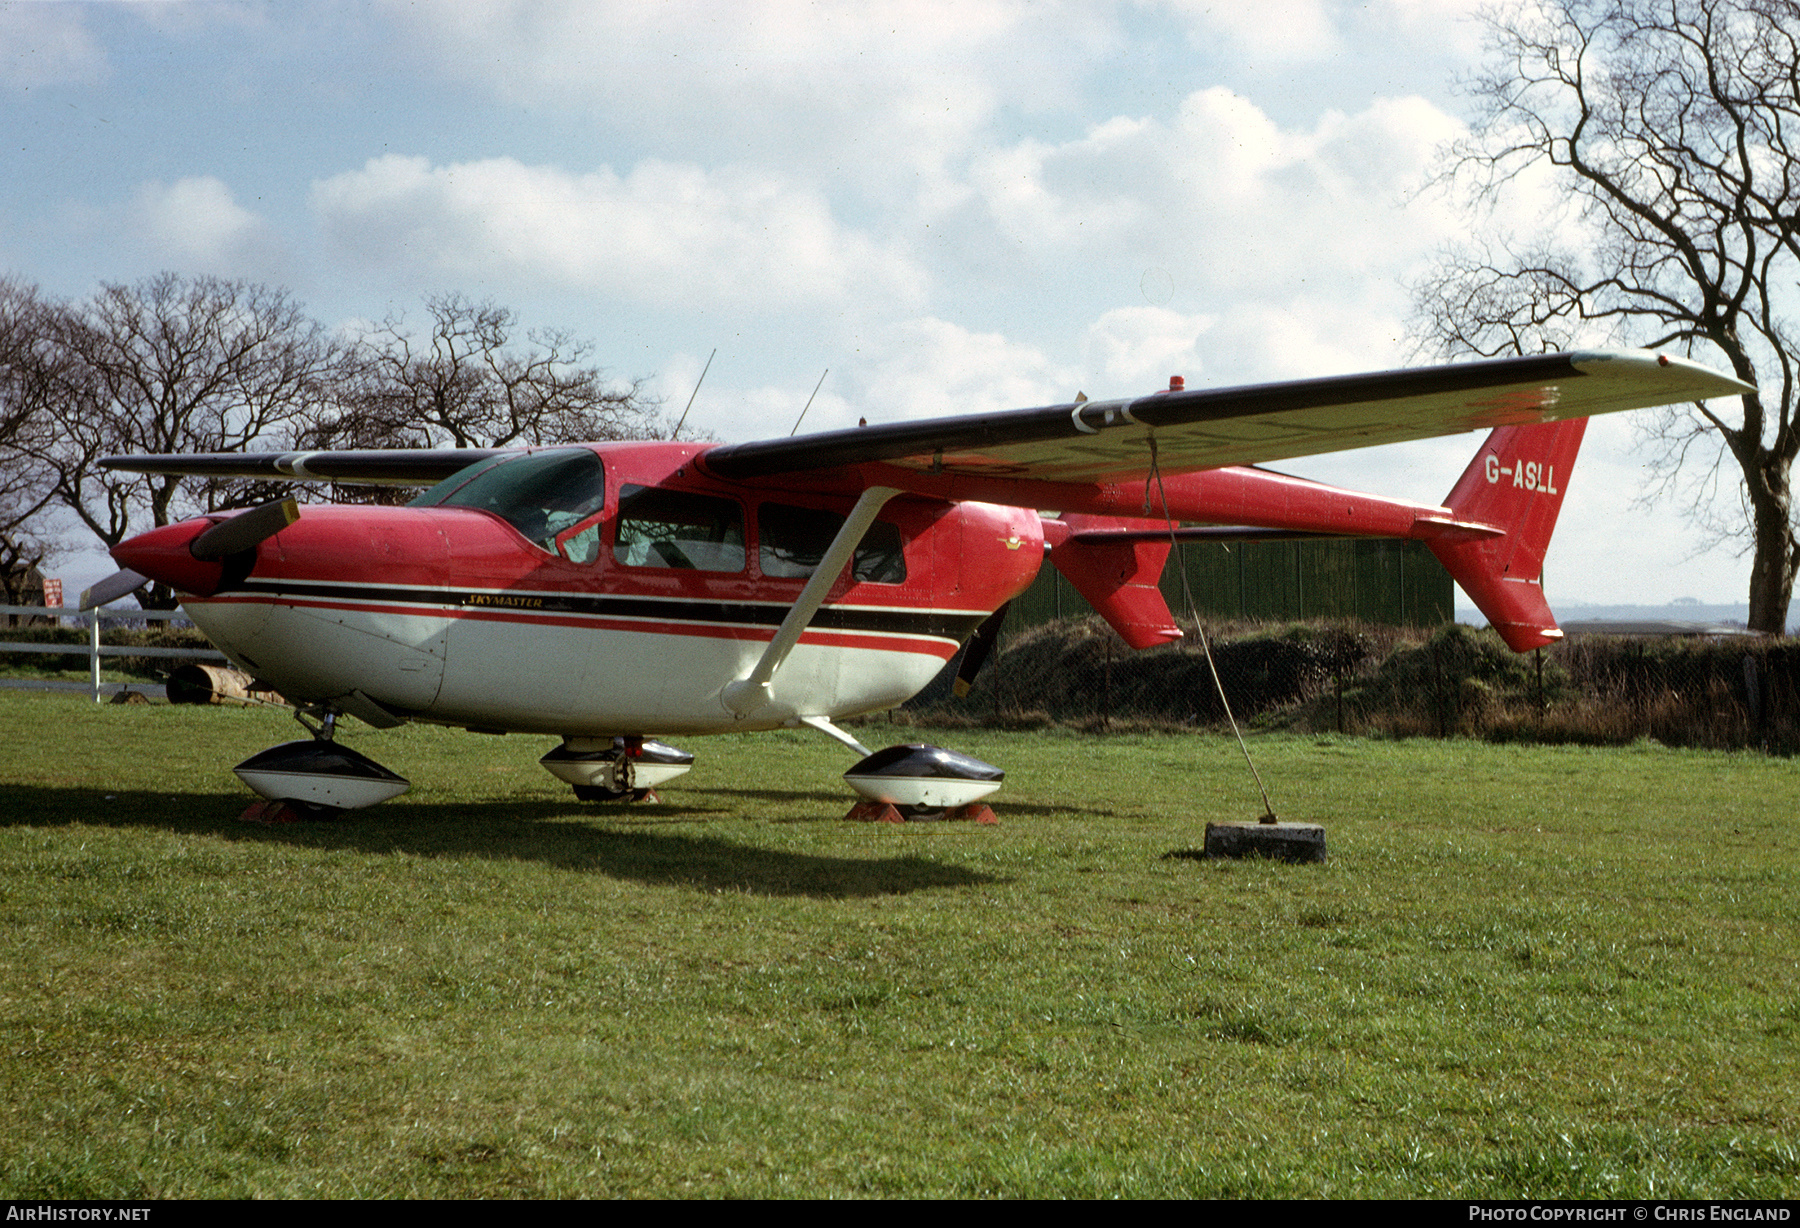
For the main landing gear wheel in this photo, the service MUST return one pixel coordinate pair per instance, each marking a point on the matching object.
(273, 811)
(618, 769)
(915, 783)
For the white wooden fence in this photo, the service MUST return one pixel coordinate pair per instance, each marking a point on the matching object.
(95, 649)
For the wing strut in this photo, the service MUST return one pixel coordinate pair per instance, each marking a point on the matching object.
(753, 692)
(824, 726)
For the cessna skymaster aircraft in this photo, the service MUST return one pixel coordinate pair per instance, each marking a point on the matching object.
(615, 593)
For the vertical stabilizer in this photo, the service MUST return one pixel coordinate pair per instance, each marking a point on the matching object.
(1515, 483)
(1119, 579)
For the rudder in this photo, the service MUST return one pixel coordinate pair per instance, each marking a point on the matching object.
(1515, 483)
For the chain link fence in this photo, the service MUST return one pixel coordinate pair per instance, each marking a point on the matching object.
(1719, 692)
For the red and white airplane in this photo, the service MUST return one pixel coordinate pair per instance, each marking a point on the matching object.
(614, 593)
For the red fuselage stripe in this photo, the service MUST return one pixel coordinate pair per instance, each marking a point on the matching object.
(941, 650)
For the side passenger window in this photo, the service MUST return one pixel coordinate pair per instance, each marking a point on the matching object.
(792, 540)
(672, 528)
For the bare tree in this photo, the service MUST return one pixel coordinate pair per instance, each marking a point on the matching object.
(177, 364)
(26, 492)
(170, 364)
(1670, 126)
(465, 383)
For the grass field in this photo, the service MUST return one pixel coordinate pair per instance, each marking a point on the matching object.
(1544, 972)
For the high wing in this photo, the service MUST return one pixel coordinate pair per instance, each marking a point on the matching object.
(1086, 443)
(359, 467)
(1090, 442)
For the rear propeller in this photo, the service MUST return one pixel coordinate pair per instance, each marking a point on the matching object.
(980, 647)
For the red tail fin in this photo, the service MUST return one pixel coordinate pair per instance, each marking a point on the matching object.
(1515, 483)
(1119, 579)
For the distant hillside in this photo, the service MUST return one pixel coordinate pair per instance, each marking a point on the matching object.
(1684, 610)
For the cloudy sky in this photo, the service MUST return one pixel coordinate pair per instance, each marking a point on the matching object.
(954, 207)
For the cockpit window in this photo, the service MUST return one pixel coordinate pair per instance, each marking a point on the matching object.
(792, 540)
(672, 528)
(540, 493)
(444, 489)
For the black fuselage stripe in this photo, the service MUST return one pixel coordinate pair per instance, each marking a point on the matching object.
(933, 623)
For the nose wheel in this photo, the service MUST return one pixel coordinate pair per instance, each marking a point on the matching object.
(318, 720)
(315, 778)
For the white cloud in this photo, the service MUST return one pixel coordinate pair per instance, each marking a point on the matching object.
(47, 44)
(1136, 349)
(1277, 30)
(1282, 34)
(1310, 335)
(1453, 26)
(929, 367)
(891, 370)
(1225, 195)
(882, 98)
(196, 225)
(1298, 242)
(666, 234)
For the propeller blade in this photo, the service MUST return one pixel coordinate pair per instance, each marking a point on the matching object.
(981, 644)
(245, 531)
(112, 588)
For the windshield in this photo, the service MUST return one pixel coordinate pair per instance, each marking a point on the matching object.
(540, 493)
(437, 494)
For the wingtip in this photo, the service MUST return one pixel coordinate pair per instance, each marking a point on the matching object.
(1705, 380)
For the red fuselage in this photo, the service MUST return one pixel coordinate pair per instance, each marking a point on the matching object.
(604, 622)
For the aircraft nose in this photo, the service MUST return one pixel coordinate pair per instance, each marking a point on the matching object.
(166, 554)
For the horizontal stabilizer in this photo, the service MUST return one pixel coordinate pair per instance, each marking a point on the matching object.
(1423, 527)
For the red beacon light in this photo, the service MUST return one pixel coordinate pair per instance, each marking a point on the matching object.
(1177, 384)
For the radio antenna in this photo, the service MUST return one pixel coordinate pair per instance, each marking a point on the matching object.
(696, 392)
(808, 405)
